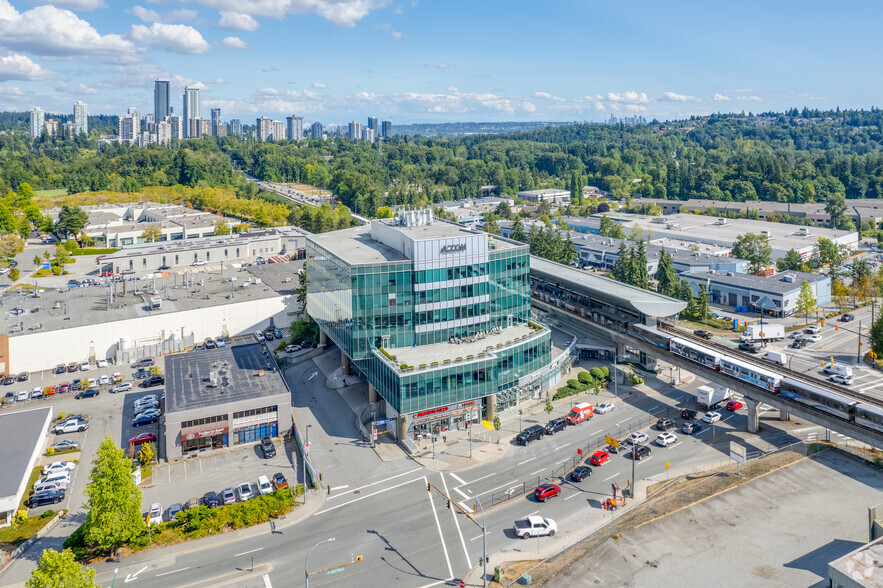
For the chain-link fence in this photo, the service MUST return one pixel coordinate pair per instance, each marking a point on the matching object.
(678, 494)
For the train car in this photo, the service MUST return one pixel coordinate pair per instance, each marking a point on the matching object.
(649, 335)
(817, 398)
(752, 374)
(694, 352)
(869, 416)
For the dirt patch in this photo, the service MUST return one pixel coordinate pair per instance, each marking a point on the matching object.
(513, 570)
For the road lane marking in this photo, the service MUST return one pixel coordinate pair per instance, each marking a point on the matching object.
(456, 477)
(380, 481)
(465, 507)
(130, 577)
(247, 552)
(573, 496)
(267, 581)
(461, 493)
(676, 444)
(611, 477)
(596, 432)
(562, 447)
(438, 526)
(563, 460)
(456, 521)
(533, 513)
(369, 495)
(497, 488)
(479, 537)
(645, 459)
(625, 421)
(336, 488)
(525, 461)
(172, 572)
(440, 582)
(481, 478)
(537, 472)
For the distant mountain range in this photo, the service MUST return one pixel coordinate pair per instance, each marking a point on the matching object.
(472, 128)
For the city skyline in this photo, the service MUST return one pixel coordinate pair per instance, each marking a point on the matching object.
(423, 62)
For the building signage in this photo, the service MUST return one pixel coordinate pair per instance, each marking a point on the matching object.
(191, 434)
(453, 248)
(431, 411)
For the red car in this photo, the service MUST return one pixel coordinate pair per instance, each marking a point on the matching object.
(600, 458)
(547, 491)
(142, 438)
(734, 405)
(63, 387)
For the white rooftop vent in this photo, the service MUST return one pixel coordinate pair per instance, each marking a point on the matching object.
(788, 278)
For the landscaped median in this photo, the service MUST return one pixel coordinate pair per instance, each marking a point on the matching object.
(195, 523)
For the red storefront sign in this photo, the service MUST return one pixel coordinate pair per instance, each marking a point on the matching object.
(197, 433)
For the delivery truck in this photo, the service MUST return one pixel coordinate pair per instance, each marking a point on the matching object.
(710, 397)
(765, 332)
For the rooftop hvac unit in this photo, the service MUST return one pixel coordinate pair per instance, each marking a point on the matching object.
(788, 278)
(155, 303)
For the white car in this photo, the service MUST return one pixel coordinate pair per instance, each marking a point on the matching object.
(293, 348)
(58, 466)
(815, 338)
(85, 366)
(24, 395)
(666, 439)
(60, 478)
(259, 337)
(154, 517)
(812, 329)
(199, 263)
(604, 407)
(220, 342)
(637, 438)
(122, 387)
(149, 412)
(711, 417)
(102, 363)
(244, 491)
(37, 393)
(845, 380)
(264, 486)
(103, 380)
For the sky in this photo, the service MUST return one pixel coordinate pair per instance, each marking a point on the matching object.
(441, 60)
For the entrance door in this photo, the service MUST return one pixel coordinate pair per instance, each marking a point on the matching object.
(734, 300)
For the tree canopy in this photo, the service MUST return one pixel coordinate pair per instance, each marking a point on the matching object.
(755, 249)
(60, 570)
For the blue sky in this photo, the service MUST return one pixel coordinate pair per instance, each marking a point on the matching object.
(441, 60)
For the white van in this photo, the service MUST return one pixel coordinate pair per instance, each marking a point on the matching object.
(56, 485)
(264, 485)
(775, 357)
(838, 369)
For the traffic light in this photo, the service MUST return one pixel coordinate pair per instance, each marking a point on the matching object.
(359, 558)
(823, 322)
(429, 486)
(449, 504)
(836, 327)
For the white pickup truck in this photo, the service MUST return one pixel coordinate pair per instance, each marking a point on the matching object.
(535, 526)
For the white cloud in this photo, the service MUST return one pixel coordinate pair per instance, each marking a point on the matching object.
(453, 89)
(397, 35)
(145, 14)
(11, 92)
(51, 31)
(20, 67)
(445, 65)
(344, 13)
(235, 43)
(628, 97)
(237, 21)
(672, 97)
(151, 16)
(548, 96)
(751, 98)
(175, 38)
(720, 98)
(82, 89)
(75, 4)
(528, 107)
(218, 81)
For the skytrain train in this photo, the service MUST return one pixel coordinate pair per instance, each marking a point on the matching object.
(864, 415)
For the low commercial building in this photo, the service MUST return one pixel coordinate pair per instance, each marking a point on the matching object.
(773, 295)
(223, 398)
(22, 435)
(553, 196)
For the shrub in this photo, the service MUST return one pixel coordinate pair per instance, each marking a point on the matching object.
(575, 384)
(585, 377)
(597, 373)
(14, 274)
(605, 372)
(50, 451)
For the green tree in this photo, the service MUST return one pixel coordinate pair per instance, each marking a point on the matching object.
(302, 289)
(38, 261)
(222, 228)
(701, 307)
(71, 220)
(548, 408)
(666, 276)
(568, 254)
(113, 499)
(14, 274)
(151, 233)
(518, 231)
(876, 336)
(835, 206)
(622, 267)
(611, 228)
(60, 570)
(10, 246)
(755, 249)
(790, 261)
(639, 276)
(503, 210)
(829, 253)
(490, 224)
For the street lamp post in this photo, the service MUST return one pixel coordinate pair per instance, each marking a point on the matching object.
(519, 418)
(306, 448)
(483, 541)
(115, 571)
(615, 395)
(307, 564)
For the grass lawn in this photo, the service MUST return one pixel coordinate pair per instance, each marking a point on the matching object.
(94, 251)
(54, 193)
(35, 475)
(12, 537)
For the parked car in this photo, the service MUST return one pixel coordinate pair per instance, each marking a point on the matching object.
(228, 496)
(72, 367)
(174, 510)
(85, 366)
(734, 405)
(54, 485)
(292, 348)
(841, 379)
(530, 434)
(23, 395)
(36, 393)
(64, 446)
(245, 492)
(87, 393)
(210, 343)
(666, 439)
(599, 458)
(703, 333)
(546, 491)
(140, 421)
(220, 342)
(711, 417)
(211, 499)
(639, 452)
(279, 481)
(604, 407)
(154, 516)
(101, 363)
(8, 380)
(665, 424)
(269, 335)
(153, 381)
(259, 337)
(143, 363)
(104, 380)
(146, 399)
(688, 414)
(60, 369)
(264, 486)
(580, 473)
(149, 412)
(121, 387)
(163, 268)
(9, 398)
(142, 438)
(63, 388)
(268, 448)
(199, 263)
(58, 466)
(23, 377)
(691, 428)
(45, 497)
(848, 317)
(555, 425)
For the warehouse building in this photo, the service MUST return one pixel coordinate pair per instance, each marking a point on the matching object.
(21, 438)
(553, 196)
(223, 398)
(435, 315)
(774, 295)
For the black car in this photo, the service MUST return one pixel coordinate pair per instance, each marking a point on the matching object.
(799, 344)
(665, 424)
(847, 317)
(639, 452)
(268, 448)
(555, 425)
(614, 449)
(23, 377)
(45, 497)
(580, 473)
(530, 434)
(703, 333)
(211, 500)
(749, 347)
(164, 267)
(88, 393)
(143, 420)
(688, 414)
(154, 381)
(268, 335)
(8, 380)
(60, 368)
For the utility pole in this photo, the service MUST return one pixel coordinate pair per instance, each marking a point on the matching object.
(615, 395)
(373, 426)
(859, 346)
(470, 438)
(632, 490)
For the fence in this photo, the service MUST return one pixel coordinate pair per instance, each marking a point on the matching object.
(153, 348)
(703, 487)
(524, 486)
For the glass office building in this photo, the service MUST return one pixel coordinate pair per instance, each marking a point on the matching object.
(434, 314)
